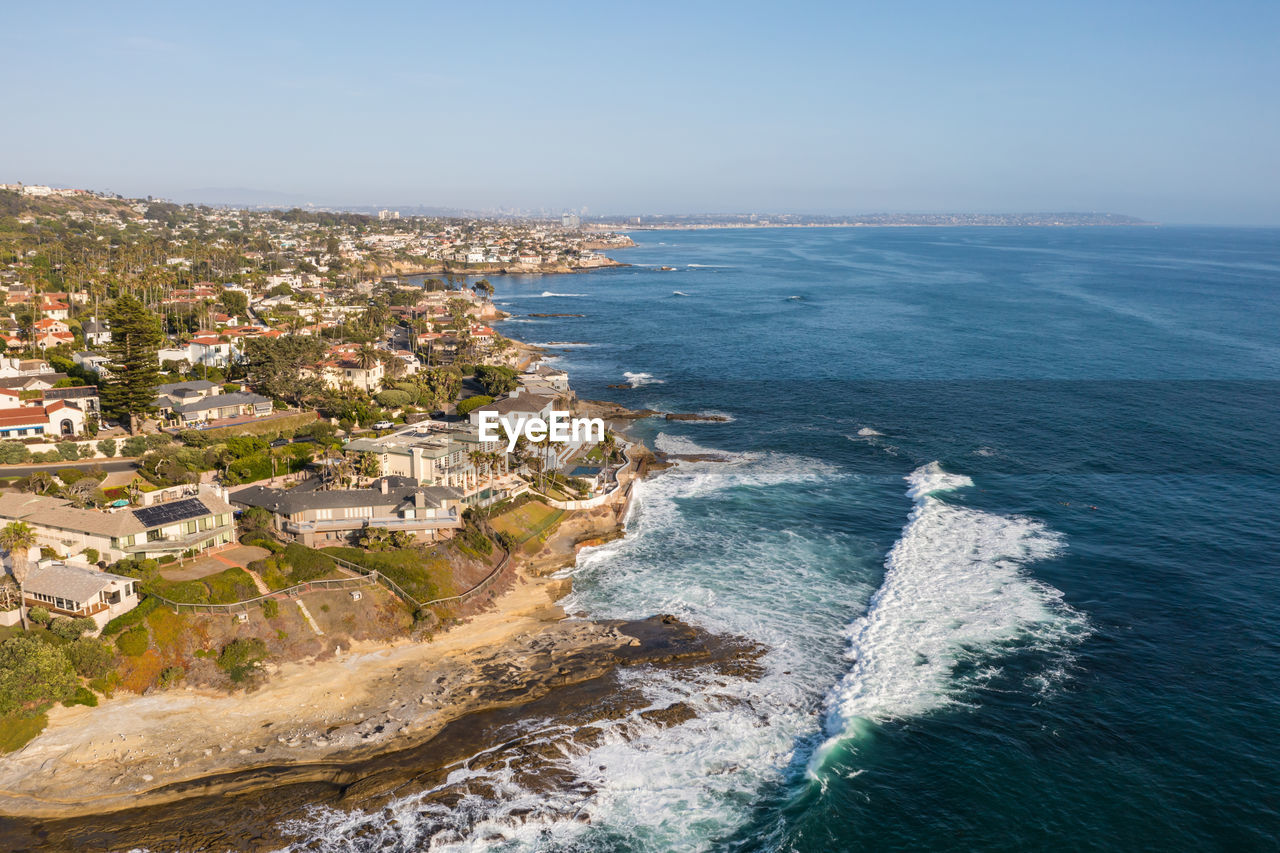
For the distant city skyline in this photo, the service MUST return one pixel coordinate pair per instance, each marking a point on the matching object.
(1160, 111)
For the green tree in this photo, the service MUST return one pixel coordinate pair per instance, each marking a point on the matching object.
(496, 379)
(33, 673)
(91, 658)
(235, 302)
(276, 366)
(130, 391)
(108, 447)
(17, 539)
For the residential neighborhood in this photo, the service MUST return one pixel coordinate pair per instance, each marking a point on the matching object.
(241, 419)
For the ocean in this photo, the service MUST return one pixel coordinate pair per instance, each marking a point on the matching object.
(1002, 505)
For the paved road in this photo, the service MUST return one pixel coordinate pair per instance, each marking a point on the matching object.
(108, 465)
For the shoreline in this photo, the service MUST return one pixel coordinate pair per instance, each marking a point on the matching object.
(497, 269)
(318, 722)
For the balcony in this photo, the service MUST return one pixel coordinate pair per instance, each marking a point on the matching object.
(321, 526)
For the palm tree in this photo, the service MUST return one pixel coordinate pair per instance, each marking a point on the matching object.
(16, 540)
(367, 356)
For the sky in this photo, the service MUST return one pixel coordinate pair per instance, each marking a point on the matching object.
(1169, 111)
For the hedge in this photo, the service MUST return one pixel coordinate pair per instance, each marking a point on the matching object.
(470, 404)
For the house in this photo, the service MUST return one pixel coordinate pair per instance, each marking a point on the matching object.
(96, 332)
(83, 397)
(80, 592)
(516, 408)
(58, 419)
(434, 453)
(221, 406)
(317, 517)
(49, 324)
(188, 391)
(211, 351)
(546, 377)
(13, 367)
(55, 309)
(189, 523)
(346, 370)
(90, 361)
(48, 340)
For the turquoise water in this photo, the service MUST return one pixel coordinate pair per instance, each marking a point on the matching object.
(1000, 502)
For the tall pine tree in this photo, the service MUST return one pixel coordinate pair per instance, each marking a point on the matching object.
(129, 394)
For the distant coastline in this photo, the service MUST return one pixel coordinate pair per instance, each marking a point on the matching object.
(877, 220)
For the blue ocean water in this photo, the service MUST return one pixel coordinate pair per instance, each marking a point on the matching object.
(1002, 503)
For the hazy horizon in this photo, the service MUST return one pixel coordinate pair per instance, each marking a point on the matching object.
(1162, 112)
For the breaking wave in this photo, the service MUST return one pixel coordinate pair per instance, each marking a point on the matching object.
(638, 380)
(955, 600)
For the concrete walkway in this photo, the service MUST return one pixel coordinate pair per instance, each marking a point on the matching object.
(306, 614)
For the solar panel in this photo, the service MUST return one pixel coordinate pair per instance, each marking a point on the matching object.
(170, 513)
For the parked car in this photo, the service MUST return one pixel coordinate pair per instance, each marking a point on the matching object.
(384, 425)
(280, 442)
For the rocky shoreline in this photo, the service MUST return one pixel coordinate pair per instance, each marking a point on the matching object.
(401, 719)
(568, 672)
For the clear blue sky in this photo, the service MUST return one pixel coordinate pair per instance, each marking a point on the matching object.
(1168, 111)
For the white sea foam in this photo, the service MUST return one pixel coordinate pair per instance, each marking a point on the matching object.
(546, 294)
(955, 596)
(663, 788)
(866, 432)
(678, 293)
(691, 785)
(638, 380)
(563, 344)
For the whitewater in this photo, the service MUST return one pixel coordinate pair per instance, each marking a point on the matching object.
(842, 654)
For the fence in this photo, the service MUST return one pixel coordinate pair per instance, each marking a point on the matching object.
(288, 592)
(366, 577)
(462, 597)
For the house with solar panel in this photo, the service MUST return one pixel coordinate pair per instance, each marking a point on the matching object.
(182, 524)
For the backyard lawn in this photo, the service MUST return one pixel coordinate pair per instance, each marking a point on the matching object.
(528, 523)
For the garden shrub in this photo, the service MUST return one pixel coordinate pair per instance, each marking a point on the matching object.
(81, 696)
(70, 629)
(240, 658)
(170, 676)
(133, 617)
(306, 564)
(133, 642)
(270, 608)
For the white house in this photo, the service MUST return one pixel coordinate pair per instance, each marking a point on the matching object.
(80, 592)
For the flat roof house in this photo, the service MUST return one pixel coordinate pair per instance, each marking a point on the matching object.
(220, 406)
(317, 517)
